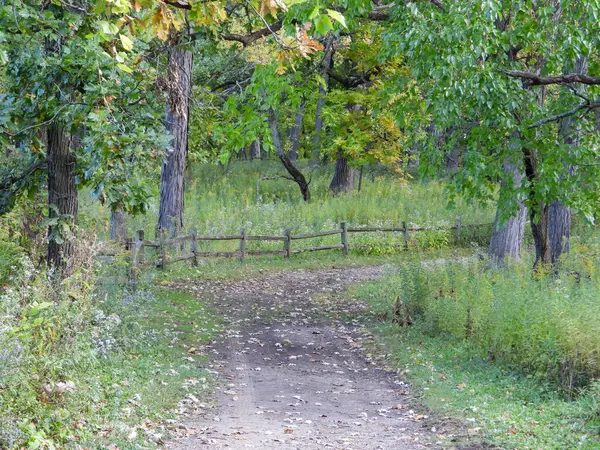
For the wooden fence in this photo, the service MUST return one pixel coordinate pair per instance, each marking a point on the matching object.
(139, 244)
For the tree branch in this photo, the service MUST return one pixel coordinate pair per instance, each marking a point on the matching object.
(532, 79)
(248, 39)
(381, 13)
(571, 112)
(11, 184)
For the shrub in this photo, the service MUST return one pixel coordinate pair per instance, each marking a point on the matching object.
(550, 327)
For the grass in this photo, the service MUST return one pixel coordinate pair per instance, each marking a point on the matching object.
(219, 202)
(497, 405)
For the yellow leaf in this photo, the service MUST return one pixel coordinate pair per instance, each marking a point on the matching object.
(127, 43)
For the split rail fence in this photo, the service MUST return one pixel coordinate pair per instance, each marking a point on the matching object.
(139, 244)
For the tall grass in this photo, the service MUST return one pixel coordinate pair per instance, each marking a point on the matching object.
(223, 201)
(547, 326)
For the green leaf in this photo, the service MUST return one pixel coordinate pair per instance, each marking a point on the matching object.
(125, 68)
(337, 16)
(323, 24)
(314, 13)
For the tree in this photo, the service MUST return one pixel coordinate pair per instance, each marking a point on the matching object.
(489, 65)
(178, 86)
(70, 95)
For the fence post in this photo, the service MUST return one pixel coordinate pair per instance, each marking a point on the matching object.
(344, 227)
(163, 250)
(139, 238)
(457, 232)
(405, 235)
(242, 244)
(134, 263)
(194, 246)
(287, 244)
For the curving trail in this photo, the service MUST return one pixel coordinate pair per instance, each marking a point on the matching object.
(293, 372)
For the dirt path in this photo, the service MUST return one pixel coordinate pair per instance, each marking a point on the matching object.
(293, 372)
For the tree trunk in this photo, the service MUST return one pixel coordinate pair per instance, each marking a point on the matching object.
(170, 216)
(327, 65)
(62, 197)
(296, 132)
(343, 177)
(539, 227)
(294, 172)
(507, 236)
(451, 159)
(560, 215)
(118, 231)
(254, 149)
(559, 230)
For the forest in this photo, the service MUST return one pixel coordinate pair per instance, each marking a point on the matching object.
(383, 212)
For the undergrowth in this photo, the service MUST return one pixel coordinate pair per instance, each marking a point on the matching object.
(515, 356)
(86, 366)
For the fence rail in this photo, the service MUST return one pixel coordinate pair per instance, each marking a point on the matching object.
(138, 245)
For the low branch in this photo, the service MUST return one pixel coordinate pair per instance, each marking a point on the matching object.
(532, 79)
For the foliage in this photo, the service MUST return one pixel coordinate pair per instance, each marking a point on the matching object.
(460, 54)
(540, 325)
(82, 366)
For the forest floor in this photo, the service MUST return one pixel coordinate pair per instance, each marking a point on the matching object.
(294, 370)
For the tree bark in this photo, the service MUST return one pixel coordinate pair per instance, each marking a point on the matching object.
(559, 230)
(62, 196)
(171, 211)
(343, 177)
(297, 131)
(539, 227)
(118, 231)
(507, 237)
(296, 175)
(560, 215)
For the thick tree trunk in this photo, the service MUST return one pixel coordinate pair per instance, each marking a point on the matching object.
(170, 216)
(296, 132)
(254, 149)
(560, 215)
(62, 196)
(294, 172)
(343, 177)
(507, 236)
(559, 230)
(118, 231)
